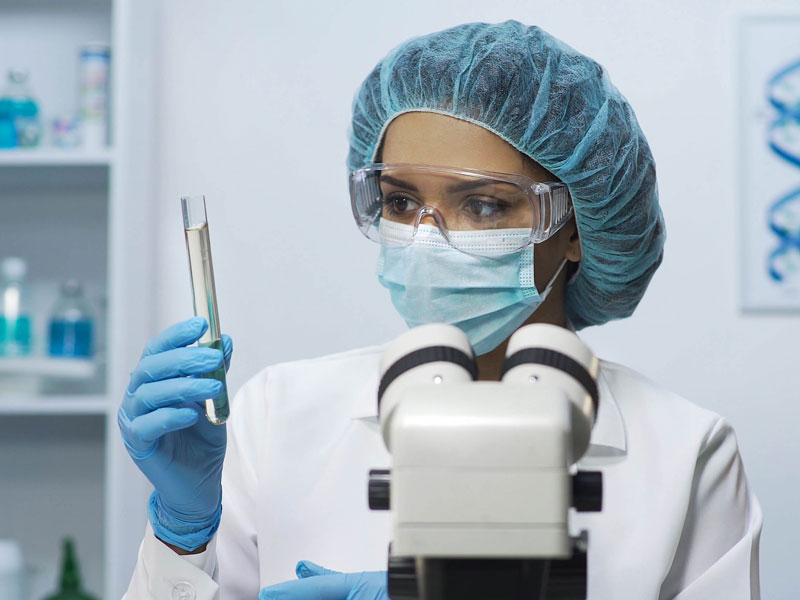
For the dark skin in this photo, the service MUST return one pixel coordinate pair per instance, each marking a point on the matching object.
(434, 139)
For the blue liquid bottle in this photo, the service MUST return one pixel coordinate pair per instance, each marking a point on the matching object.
(15, 320)
(71, 324)
(8, 130)
(19, 106)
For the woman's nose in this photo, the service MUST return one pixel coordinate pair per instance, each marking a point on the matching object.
(428, 219)
(428, 215)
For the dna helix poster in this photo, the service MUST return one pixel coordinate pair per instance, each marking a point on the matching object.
(769, 165)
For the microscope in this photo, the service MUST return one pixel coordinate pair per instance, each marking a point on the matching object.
(484, 473)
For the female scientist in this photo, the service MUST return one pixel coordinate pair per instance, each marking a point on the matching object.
(508, 182)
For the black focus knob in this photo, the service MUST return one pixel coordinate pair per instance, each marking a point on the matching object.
(379, 489)
(587, 491)
(402, 578)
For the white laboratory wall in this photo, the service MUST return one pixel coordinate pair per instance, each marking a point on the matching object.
(253, 111)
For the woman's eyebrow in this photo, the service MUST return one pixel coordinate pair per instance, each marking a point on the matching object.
(458, 187)
(470, 185)
(394, 181)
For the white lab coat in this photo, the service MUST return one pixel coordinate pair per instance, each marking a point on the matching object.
(678, 519)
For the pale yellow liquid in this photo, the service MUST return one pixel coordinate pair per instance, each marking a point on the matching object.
(205, 305)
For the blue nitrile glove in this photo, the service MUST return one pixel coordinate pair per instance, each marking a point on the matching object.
(317, 583)
(163, 424)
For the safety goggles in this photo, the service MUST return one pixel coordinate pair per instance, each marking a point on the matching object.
(390, 202)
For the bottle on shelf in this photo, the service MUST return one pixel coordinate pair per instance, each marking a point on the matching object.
(18, 105)
(11, 571)
(66, 131)
(8, 131)
(15, 320)
(70, 584)
(94, 66)
(71, 323)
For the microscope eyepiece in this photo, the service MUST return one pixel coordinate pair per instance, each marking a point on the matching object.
(552, 358)
(556, 356)
(433, 353)
(424, 356)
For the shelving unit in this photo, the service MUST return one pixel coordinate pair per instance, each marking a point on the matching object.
(85, 215)
(51, 157)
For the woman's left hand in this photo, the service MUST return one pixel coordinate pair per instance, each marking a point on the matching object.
(317, 583)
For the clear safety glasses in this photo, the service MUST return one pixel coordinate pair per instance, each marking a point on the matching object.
(392, 203)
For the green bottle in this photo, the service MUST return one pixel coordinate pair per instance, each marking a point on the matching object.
(70, 577)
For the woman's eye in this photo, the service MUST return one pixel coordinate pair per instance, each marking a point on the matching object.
(481, 207)
(400, 204)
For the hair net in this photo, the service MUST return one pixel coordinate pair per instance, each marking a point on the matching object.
(558, 107)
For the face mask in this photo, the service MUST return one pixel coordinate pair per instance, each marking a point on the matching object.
(487, 297)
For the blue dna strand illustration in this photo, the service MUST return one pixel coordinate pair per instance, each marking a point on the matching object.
(783, 93)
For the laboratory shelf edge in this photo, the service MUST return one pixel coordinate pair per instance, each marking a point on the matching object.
(55, 405)
(130, 268)
(52, 157)
(69, 368)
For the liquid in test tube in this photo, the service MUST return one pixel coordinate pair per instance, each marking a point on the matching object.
(198, 245)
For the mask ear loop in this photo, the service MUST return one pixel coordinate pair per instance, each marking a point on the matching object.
(552, 281)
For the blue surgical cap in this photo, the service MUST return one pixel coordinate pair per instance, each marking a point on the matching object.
(558, 107)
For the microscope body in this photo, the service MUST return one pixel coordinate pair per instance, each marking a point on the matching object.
(479, 470)
(483, 474)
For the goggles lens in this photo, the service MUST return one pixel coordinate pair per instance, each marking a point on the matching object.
(458, 202)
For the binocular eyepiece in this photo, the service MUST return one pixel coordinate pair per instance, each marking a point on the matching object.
(536, 354)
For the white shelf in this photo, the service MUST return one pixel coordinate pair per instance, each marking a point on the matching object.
(55, 405)
(55, 157)
(61, 368)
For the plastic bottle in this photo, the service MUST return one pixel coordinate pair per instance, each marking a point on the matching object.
(71, 323)
(8, 132)
(70, 584)
(11, 571)
(15, 320)
(19, 105)
(94, 67)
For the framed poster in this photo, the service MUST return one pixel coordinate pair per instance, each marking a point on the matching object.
(769, 167)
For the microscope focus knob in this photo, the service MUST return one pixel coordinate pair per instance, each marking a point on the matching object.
(379, 489)
(401, 578)
(587, 491)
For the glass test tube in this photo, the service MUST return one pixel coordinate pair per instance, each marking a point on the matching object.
(198, 245)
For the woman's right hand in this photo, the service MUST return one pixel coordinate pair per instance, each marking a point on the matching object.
(163, 424)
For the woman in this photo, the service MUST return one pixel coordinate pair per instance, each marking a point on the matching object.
(463, 146)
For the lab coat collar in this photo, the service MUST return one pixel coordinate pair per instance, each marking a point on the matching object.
(606, 444)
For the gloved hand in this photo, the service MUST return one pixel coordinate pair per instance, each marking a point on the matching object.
(163, 424)
(317, 583)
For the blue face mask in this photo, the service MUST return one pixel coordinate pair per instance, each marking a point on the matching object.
(487, 297)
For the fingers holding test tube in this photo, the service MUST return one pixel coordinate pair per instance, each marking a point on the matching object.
(169, 376)
(163, 425)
